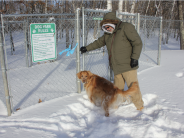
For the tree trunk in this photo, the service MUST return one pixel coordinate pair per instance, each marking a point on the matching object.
(157, 8)
(109, 4)
(45, 6)
(147, 7)
(125, 5)
(181, 24)
(169, 26)
(120, 8)
(95, 24)
(132, 11)
(61, 22)
(67, 25)
(133, 7)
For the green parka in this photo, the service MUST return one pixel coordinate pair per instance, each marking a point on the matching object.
(127, 44)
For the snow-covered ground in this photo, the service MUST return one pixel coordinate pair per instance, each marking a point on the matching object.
(73, 116)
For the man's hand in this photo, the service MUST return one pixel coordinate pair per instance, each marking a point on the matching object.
(133, 63)
(83, 49)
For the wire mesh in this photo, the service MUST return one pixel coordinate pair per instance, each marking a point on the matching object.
(148, 31)
(97, 60)
(44, 80)
(130, 18)
(2, 93)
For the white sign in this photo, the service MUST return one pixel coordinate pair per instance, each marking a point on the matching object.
(43, 41)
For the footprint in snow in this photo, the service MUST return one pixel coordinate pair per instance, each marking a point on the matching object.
(179, 74)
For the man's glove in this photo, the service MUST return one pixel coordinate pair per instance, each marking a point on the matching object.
(83, 49)
(133, 63)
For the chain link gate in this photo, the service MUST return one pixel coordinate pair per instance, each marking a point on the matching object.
(28, 82)
(149, 29)
(97, 60)
(4, 95)
(151, 34)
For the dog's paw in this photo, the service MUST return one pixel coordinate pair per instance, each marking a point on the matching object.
(107, 114)
(141, 108)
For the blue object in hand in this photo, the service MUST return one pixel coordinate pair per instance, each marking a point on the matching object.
(69, 50)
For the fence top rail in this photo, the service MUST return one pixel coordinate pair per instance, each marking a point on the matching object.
(13, 21)
(126, 14)
(97, 10)
(17, 15)
(149, 17)
(173, 20)
(37, 19)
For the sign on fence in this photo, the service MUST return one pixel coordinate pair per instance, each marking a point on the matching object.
(43, 41)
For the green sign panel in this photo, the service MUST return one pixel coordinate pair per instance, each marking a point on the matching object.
(97, 18)
(43, 41)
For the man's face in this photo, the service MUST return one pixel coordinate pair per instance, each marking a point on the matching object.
(109, 28)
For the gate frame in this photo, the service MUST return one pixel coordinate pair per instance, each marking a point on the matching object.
(3, 56)
(137, 26)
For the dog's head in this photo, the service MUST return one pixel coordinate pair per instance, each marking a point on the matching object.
(84, 76)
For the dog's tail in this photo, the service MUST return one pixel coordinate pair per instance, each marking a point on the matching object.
(131, 91)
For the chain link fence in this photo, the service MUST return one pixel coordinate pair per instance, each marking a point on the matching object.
(31, 82)
(97, 60)
(151, 33)
(148, 28)
(2, 90)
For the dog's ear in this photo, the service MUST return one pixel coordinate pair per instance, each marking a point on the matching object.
(90, 74)
(79, 75)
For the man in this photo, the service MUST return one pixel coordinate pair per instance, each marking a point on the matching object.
(124, 46)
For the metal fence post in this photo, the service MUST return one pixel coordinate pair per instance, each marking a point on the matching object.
(29, 44)
(109, 74)
(26, 44)
(144, 28)
(4, 75)
(99, 29)
(10, 35)
(83, 39)
(117, 14)
(159, 42)
(138, 23)
(77, 39)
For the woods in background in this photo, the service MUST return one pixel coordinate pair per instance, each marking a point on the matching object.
(169, 10)
(166, 9)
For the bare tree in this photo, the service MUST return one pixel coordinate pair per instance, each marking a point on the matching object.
(168, 28)
(126, 5)
(67, 27)
(120, 8)
(133, 7)
(109, 4)
(45, 6)
(61, 26)
(147, 7)
(157, 7)
(180, 13)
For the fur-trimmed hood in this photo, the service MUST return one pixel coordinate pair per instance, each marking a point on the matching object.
(110, 18)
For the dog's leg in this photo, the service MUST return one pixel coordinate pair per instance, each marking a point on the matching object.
(106, 106)
(97, 101)
(138, 102)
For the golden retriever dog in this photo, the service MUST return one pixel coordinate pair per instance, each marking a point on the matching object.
(102, 92)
